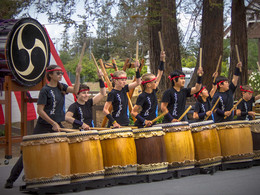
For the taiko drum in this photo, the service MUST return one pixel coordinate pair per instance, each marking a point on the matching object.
(255, 130)
(86, 159)
(179, 145)
(206, 143)
(235, 141)
(46, 159)
(151, 152)
(119, 152)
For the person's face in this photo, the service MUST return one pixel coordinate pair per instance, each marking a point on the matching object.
(120, 82)
(225, 85)
(83, 96)
(56, 75)
(204, 93)
(152, 84)
(180, 82)
(247, 95)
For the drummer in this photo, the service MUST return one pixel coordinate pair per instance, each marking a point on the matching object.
(79, 113)
(50, 108)
(174, 99)
(245, 107)
(118, 98)
(225, 92)
(203, 104)
(147, 100)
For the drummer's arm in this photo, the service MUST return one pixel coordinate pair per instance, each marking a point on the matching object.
(165, 109)
(70, 119)
(257, 97)
(238, 112)
(75, 88)
(44, 116)
(195, 115)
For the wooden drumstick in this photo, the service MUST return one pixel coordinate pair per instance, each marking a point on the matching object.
(82, 53)
(213, 108)
(238, 58)
(95, 62)
(200, 63)
(234, 106)
(186, 111)
(158, 117)
(257, 114)
(68, 130)
(258, 66)
(219, 62)
(160, 39)
(136, 53)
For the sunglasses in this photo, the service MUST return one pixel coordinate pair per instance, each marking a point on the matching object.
(59, 72)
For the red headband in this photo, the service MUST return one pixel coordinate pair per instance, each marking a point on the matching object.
(245, 90)
(83, 90)
(175, 77)
(143, 82)
(55, 69)
(220, 82)
(197, 95)
(117, 77)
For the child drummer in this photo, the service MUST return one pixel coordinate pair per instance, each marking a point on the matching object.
(79, 113)
(225, 92)
(174, 99)
(147, 100)
(118, 98)
(244, 108)
(203, 105)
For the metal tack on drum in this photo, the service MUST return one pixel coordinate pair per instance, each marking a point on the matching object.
(24, 50)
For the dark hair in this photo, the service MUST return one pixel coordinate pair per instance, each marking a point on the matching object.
(221, 78)
(199, 98)
(50, 67)
(176, 73)
(83, 86)
(247, 87)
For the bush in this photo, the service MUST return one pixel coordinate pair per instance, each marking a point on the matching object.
(254, 79)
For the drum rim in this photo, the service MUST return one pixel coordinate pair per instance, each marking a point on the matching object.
(232, 123)
(117, 130)
(82, 133)
(163, 125)
(44, 136)
(8, 46)
(202, 123)
(148, 129)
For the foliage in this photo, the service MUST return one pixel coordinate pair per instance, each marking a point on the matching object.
(252, 54)
(9, 9)
(189, 62)
(254, 79)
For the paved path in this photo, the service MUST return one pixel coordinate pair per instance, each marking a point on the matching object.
(237, 182)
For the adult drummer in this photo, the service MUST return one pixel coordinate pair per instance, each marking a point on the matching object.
(50, 108)
(174, 99)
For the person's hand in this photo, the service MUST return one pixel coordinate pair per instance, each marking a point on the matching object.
(116, 125)
(162, 56)
(200, 71)
(56, 127)
(239, 65)
(148, 123)
(100, 73)
(137, 64)
(215, 75)
(175, 120)
(209, 113)
(227, 113)
(251, 113)
(85, 126)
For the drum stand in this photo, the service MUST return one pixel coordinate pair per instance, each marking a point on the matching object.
(9, 86)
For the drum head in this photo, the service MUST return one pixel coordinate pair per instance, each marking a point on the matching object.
(28, 51)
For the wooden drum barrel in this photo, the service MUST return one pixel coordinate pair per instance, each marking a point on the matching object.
(150, 148)
(255, 130)
(179, 145)
(119, 152)
(206, 143)
(235, 141)
(46, 159)
(86, 159)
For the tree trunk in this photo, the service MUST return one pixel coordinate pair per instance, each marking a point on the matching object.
(171, 42)
(211, 41)
(162, 17)
(239, 38)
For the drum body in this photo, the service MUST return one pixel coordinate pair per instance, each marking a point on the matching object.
(255, 130)
(119, 152)
(86, 159)
(151, 152)
(206, 144)
(235, 141)
(24, 50)
(179, 145)
(46, 159)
